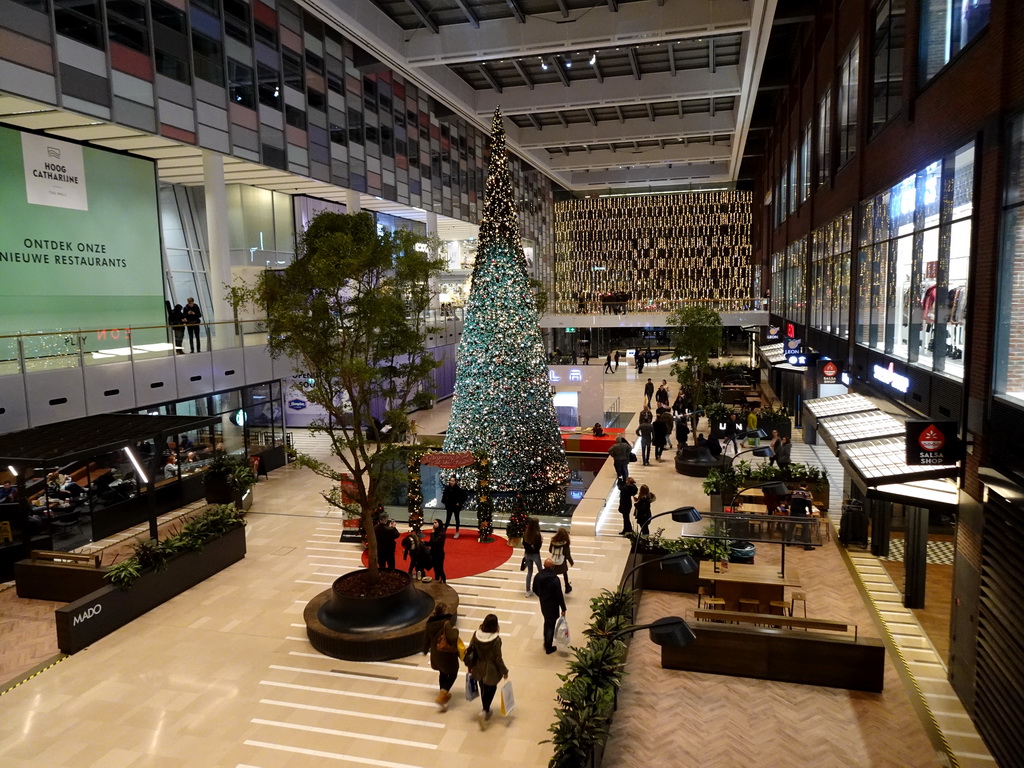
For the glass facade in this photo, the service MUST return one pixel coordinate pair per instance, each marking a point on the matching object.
(789, 271)
(831, 247)
(889, 34)
(946, 27)
(848, 83)
(825, 137)
(913, 265)
(1009, 358)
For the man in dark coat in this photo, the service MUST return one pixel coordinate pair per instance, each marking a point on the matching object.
(549, 592)
(192, 315)
(387, 537)
(648, 391)
(454, 499)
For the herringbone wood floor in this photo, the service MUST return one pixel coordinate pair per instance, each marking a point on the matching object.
(673, 718)
(27, 634)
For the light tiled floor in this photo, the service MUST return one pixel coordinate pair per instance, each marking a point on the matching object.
(223, 675)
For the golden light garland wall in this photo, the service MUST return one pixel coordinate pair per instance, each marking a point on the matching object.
(658, 250)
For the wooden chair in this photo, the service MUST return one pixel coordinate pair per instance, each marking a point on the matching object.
(749, 605)
(703, 595)
(798, 597)
(714, 603)
(780, 607)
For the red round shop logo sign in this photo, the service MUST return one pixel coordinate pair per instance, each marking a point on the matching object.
(931, 439)
(830, 369)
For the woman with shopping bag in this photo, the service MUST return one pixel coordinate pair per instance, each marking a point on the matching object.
(483, 658)
(441, 641)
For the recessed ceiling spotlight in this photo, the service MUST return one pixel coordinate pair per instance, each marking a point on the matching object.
(568, 63)
(544, 65)
(593, 59)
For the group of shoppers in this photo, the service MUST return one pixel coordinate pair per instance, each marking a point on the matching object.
(421, 555)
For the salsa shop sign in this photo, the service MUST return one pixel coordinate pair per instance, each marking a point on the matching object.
(932, 443)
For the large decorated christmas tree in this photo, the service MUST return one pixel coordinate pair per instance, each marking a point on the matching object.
(502, 402)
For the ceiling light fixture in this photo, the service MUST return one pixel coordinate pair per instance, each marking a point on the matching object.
(568, 63)
(593, 59)
(543, 65)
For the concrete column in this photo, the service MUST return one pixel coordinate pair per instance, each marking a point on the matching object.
(219, 246)
(431, 223)
(352, 204)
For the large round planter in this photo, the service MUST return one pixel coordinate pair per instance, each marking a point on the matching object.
(374, 628)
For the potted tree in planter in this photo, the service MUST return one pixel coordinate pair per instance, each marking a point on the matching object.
(228, 480)
(350, 312)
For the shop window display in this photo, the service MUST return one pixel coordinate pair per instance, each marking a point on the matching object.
(914, 265)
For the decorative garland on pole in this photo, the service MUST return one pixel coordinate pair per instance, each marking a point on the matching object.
(481, 464)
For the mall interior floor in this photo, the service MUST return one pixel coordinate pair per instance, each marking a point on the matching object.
(225, 671)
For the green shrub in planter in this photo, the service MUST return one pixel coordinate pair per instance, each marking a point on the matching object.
(586, 699)
(196, 532)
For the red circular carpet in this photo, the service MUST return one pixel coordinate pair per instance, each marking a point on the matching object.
(463, 556)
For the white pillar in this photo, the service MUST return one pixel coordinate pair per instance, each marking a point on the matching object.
(352, 202)
(431, 223)
(219, 243)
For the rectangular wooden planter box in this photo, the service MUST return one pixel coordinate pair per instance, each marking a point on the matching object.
(107, 609)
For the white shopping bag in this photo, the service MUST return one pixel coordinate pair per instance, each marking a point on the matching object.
(508, 699)
(562, 632)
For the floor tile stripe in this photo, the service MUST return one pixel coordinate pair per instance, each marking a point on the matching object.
(347, 734)
(352, 713)
(328, 755)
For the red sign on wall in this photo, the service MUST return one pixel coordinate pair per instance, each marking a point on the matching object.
(448, 460)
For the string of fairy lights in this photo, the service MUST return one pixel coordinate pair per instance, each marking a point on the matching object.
(502, 405)
(659, 249)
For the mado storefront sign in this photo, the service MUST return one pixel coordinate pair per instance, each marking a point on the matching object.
(932, 443)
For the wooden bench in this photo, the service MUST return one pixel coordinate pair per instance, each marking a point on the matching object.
(774, 620)
(58, 576)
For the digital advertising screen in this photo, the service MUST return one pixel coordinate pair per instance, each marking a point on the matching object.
(80, 239)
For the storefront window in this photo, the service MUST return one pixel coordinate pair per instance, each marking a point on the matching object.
(829, 291)
(915, 256)
(796, 265)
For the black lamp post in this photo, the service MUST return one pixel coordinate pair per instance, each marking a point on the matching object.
(678, 562)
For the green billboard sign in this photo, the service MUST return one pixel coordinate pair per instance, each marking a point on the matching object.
(79, 240)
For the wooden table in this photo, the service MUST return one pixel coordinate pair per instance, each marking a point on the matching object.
(760, 582)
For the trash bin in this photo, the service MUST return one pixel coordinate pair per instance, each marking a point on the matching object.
(741, 552)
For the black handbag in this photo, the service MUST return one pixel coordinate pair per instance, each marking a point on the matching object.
(522, 565)
(632, 457)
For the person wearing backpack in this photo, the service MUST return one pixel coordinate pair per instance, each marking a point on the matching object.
(483, 659)
(416, 553)
(561, 556)
(441, 641)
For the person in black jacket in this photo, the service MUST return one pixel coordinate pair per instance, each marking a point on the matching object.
(454, 499)
(176, 319)
(387, 538)
(549, 593)
(627, 490)
(437, 535)
(532, 542)
(648, 389)
(192, 315)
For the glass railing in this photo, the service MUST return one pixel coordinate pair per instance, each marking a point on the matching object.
(32, 352)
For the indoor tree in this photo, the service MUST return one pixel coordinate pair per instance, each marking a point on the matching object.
(696, 333)
(350, 313)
